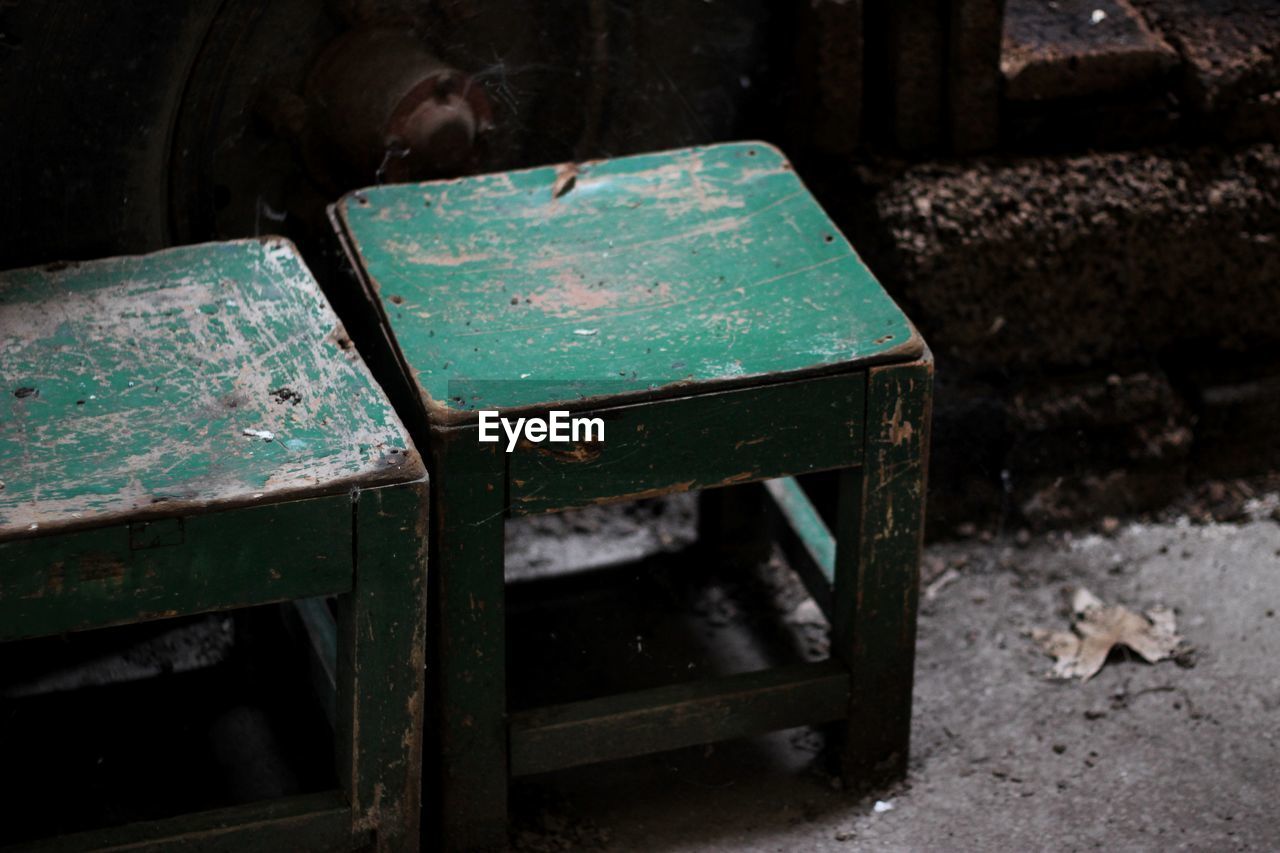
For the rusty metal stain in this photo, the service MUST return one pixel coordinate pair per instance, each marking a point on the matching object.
(101, 567)
(900, 430)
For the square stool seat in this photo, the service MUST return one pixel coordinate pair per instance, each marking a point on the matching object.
(191, 431)
(636, 278)
(705, 308)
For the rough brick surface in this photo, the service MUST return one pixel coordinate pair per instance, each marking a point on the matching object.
(1091, 124)
(1092, 444)
(1231, 47)
(1059, 501)
(1249, 120)
(1237, 410)
(1042, 262)
(1059, 450)
(1075, 48)
(970, 439)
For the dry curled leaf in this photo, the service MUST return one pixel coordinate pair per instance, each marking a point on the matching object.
(1097, 629)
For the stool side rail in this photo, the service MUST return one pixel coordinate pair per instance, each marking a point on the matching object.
(154, 570)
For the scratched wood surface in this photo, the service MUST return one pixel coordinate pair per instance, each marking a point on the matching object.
(880, 530)
(129, 383)
(631, 276)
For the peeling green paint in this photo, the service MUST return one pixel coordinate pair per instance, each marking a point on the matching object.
(706, 264)
(146, 371)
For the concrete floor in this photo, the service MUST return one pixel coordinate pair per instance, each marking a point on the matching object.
(1143, 757)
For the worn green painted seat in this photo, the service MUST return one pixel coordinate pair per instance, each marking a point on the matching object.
(192, 431)
(702, 304)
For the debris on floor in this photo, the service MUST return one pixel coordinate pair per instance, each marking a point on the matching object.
(931, 591)
(1099, 628)
(998, 754)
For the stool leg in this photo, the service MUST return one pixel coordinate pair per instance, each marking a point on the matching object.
(381, 643)
(878, 543)
(469, 498)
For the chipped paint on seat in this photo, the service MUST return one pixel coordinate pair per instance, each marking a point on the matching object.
(639, 277)
(201, 377)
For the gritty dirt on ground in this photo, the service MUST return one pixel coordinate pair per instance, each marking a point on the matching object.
(1177, 755)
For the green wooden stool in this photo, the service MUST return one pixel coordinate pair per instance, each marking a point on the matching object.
(192, 431)
(705, 308)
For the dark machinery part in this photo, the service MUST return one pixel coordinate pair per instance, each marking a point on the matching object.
(127, 130)
(335, 109)
(382, 107)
